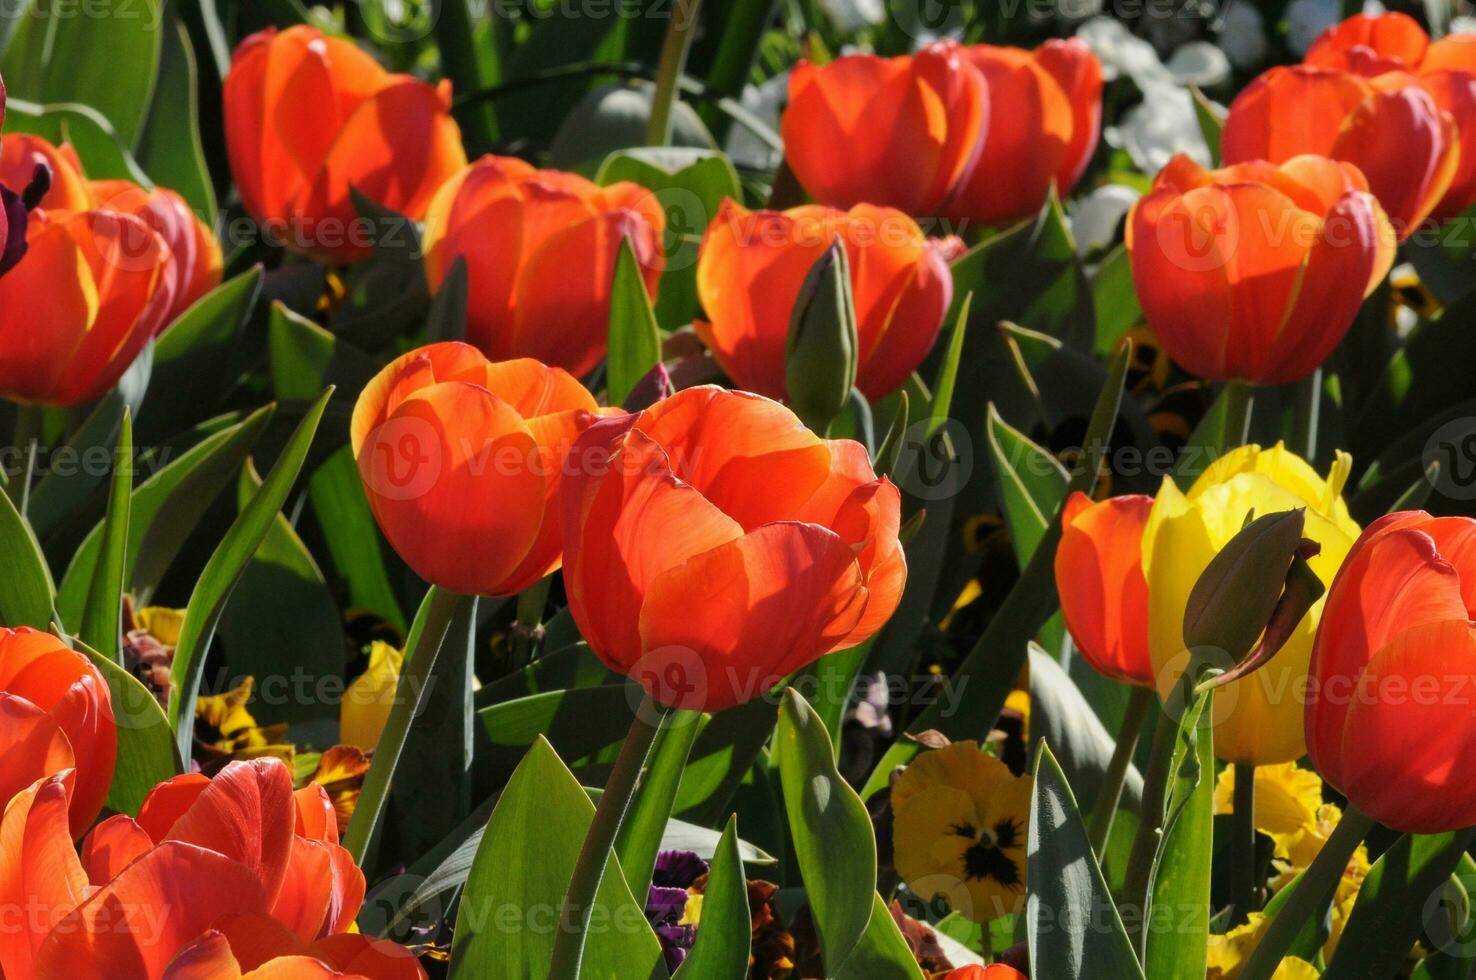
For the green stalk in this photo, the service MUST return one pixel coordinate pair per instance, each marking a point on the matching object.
(529, 622)
(1306, 412)
(420, 660)
(1243, 844)
(28, 419)
(589, 870)
(1150, 832)
(1239, 399)
(1122, 756)
(673, 61)
(468, 69)
(1313, 891)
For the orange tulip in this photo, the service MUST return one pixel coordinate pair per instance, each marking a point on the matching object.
(22, 153)
(214, 874)
(1395, 43)
(195, 260)
(307, 116)
(462, 457)
(89, 296)
(994, 971)
(1099, 575)
(899, 132)
(713, 545)
(1388, 718)
(1255, 272)
(540, 248)
(59, 714)
(1388, 126)
(752, 266)
(1044, 120)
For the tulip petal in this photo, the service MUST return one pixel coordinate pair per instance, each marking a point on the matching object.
(373, 958)
(316, 819)
(169, 801)
(246, 813)
(1408, 150)
(112, 846)
(1455, 92)
(41, 880)
(207, 958)
(34, 356)
(32, 745)
(1454, 52)
(1392, 37)
(22, 153)
(790, 590)
(1077, 70)
(302, 903)
(1288, 112)
(1099, 575)
(887, 360)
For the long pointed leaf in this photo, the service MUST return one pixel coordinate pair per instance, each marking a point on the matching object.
(26, 592)
(722, 946)
(102, 619)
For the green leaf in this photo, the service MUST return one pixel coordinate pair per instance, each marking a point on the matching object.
(26, 592)
(832, 679)
(635, 340)
(446, 318)
(509, 911)
(579, 722)
(1211, 121)
(947, 378)
(281, 625)
(1389, 913)
(102, 618)
(146, 753)
(165, 510)
(722, 946)
(61, 492)
(1032, 485)
(1115, 299)
(882, 953)
(831, 829)
(1177, 942)
(224, 569)
(192, 359)
(104, 154)
(1071, 922)
(639, 838)
(1066, 719)
(169, 147)
(106, 56)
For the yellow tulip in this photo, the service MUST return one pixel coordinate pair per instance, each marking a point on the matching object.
(1258, 719)
(367, 702)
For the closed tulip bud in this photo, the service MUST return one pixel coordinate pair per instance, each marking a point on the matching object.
(462, 459)
(1233, 599)
(1389, 715)
(1255, 272)
(308, 116)
(1258, 717)
(900, 132)
(1044, 119)
(540, 248)
(1393, 130)
(820, 352)
(1099, 577)
(91, 293)
(58, 714)
(194, 266)
(753, 267)
(713, 545)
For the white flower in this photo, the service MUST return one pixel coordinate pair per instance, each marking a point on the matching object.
(1242, 36)
(1199, 63)
(850, 16)
(765, 102)
(1161, 125)
(1094, 218)
(1123, 53)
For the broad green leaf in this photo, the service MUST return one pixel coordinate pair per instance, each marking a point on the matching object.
(635, 340)
(169, 147)
(639, 839)
(579, 722)
(831, 829)
(1177, 941)
(281, 626)
(1388, 916)
(723, 940)
(1313, 935)
(224, 569)
(165, 510)
(102, 617)
(724, 755)
(105, 55)
(146, 752)
(1062, 716)
(1071, 922)
(882, 953)
(1032, 485)
(509, 911)
(61, 493)
(1115, 299)
(26, 591)
(446, 318)
(192, 359)
(947, 379)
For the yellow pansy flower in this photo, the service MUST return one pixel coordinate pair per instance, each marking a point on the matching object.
(367, 702)
(1258, 719)
(1287, 801)
(959, 828)
(160, 623)
(1229, 953)
(225, 727)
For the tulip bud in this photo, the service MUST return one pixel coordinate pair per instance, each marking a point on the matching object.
(1237, 593)
(820, 356)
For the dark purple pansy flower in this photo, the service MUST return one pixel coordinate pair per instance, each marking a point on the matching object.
(678, 869)
(666, 902)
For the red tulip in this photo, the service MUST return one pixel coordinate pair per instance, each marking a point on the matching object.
(22, 153)
(211, 878)
(1099, 575)
(713, 545)
(59, 706)
(1044, 121)
(540, 248)
(308, 116)
(1255, 272)
(897, 132)
(1391, 128)
(994, 971)
(194, 267)
(462, 458)
(1389, 718)
(752, 266)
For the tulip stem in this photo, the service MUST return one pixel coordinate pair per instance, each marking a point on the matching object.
(1312, 893)
(528, 627)
(1134, 903)
(1122, 757)
(28, 420)
(1306, 412)
(1243, 845)
(599, 842)
(1239, 398)
(427, 637)
(669, 72)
